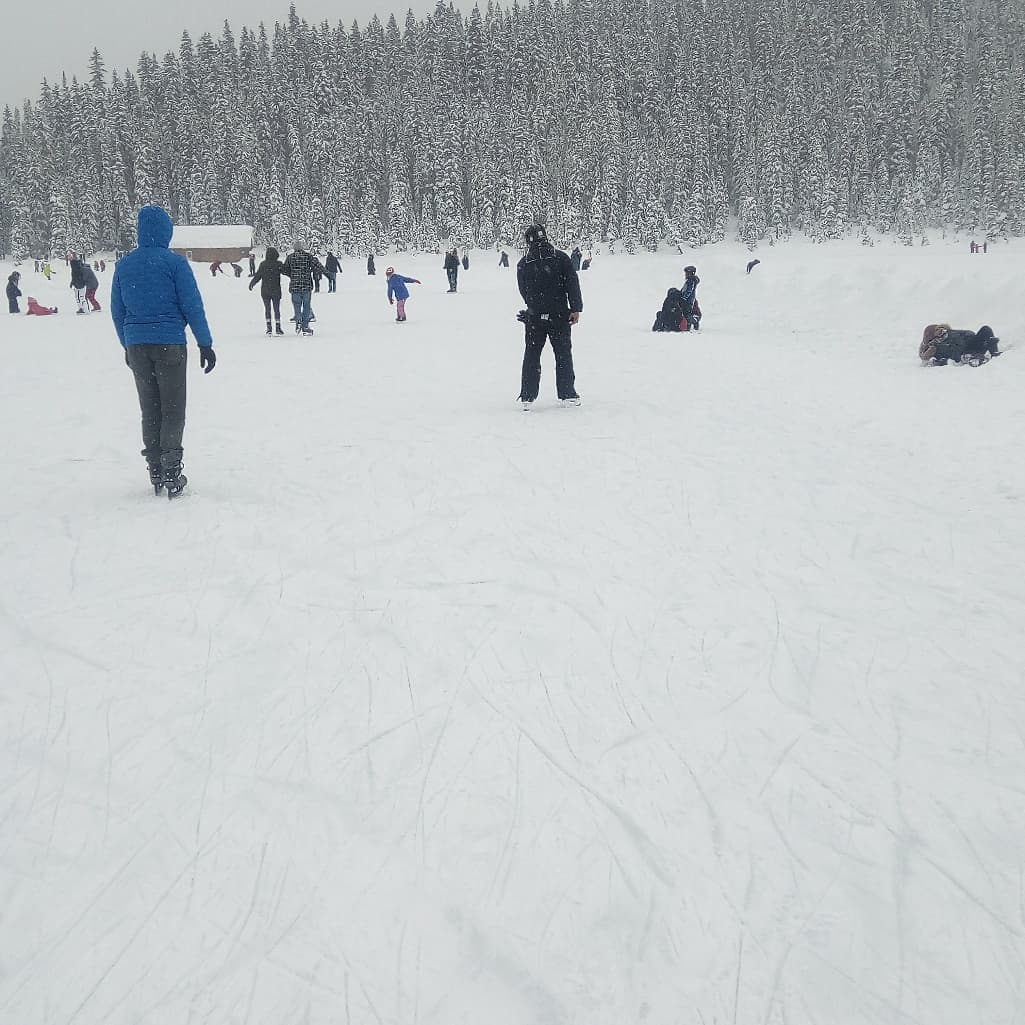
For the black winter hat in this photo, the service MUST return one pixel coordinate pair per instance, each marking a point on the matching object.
(985, 334)
(534, 235)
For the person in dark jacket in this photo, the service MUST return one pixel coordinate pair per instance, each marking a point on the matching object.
(300, 267)
(942, 344)
(91, 284)
(551, 290)
(13, 292)
(671, 316)
(332, 268)
(153, 298)
(503, 259)
(452, 269)
(691, 310)
(575, 257)
(371, 269)
(252, 264)
(78, 269)
(269, 275)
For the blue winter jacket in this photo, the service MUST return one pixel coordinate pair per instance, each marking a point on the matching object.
(397, 286)
(154, 292)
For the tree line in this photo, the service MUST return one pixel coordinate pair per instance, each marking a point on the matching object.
(640, 122)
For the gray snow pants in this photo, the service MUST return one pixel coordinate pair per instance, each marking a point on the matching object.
(159, 372)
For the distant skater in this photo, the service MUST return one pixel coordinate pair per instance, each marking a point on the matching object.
(269, 275)
(13, 292)
(452, 269)
(398, 293)
(332, 268)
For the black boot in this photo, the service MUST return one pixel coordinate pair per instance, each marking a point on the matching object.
(268, 327)
(277, 329)
(174, 480)
(156, 477)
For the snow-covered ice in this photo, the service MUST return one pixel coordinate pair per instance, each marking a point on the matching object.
(702, 703)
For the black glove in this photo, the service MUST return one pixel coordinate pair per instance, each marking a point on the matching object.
(522, 316)
(207, 358)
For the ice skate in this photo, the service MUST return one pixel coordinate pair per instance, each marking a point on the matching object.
(174, 481)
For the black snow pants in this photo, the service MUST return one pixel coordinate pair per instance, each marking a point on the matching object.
(556, 329)
(160, 380)
(272, 302)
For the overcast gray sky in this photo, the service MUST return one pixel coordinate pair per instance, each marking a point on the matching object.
(42, 38)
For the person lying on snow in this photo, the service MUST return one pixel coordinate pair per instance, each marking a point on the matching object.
(942, 344)
(36, 308)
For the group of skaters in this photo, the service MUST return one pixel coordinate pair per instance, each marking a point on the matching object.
(84, 282)
(154, 297)
(305, 271)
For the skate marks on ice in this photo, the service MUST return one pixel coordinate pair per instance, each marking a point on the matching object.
(695, 703)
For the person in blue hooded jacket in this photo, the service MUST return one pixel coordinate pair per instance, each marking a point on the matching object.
(397, 290)
(153, 297)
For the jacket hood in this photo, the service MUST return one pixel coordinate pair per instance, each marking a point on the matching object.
(272, 253)
(155, 227)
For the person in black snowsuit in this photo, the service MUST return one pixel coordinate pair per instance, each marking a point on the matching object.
(252, 265)
(269, 275)
(503, 260)
(942, 344)
(551, 289)
(371, 269)
(452, 269)
(671, 316)
(13, 292)
(576, 256)
(332, 268)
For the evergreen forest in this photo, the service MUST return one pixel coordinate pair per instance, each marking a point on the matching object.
(637, 122)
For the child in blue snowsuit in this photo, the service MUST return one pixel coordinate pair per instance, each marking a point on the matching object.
(397, 291)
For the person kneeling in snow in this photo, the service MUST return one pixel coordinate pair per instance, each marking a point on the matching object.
(942, 344)
(36, 308)
(397, 289)
(671, 316)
